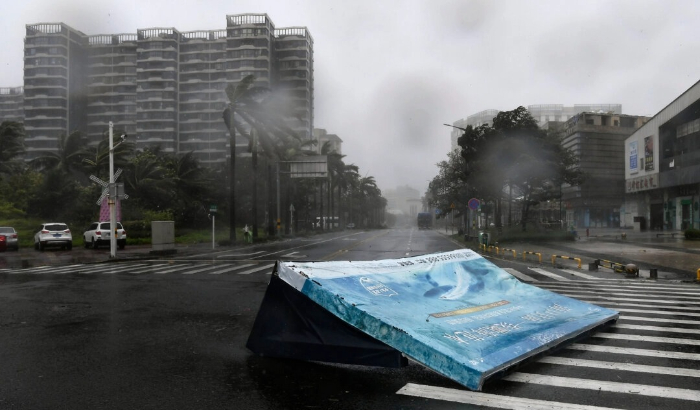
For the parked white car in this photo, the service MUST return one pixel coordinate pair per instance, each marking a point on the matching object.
(97, 234)
(53, 234)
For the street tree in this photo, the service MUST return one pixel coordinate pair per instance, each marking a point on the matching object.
(12, 136)
(68, 157)
(516, 157)
(256, 108)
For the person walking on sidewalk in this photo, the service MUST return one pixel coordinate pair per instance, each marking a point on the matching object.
(246, 235)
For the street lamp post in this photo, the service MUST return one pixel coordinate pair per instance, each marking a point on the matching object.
(112, 193)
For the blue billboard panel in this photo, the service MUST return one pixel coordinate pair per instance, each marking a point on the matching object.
(454, 312)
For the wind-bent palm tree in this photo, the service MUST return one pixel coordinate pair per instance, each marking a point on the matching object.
(145, 177)
(336, 170)
(370, 196)
(254, 108)
(12, 135)
(242, 98)
(348, 174)
(68, 158)
(95, 160)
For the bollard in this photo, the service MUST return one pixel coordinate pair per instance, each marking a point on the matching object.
(631, 270)
(698, 275)
(593, 266)
(653, 274)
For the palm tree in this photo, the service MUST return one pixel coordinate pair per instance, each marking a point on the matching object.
(95, 160)
(370, 197)
(348, 173)
(255, 108)
(69, 157)
(145, 177)
(12, 135)
(242, 102)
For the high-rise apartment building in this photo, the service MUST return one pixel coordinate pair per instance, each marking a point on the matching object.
(12, 104)
(55, 86)
(159, 85)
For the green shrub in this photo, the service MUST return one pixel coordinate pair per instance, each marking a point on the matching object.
(517, 235)
(692, 233)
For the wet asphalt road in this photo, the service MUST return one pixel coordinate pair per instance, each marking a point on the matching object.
(115, 336)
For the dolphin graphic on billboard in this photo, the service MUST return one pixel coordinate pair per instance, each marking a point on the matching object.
(454, 312)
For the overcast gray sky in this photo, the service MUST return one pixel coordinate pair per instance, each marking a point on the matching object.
(389, 73)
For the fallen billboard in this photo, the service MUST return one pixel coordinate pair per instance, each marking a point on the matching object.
(454, 312)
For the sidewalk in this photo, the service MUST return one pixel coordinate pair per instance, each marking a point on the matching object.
(674, 258)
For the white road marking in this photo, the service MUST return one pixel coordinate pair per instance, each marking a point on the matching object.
(656, 296)
(179, 268)
(659, 329)
(519, 275)
(237, 255)
(625, 367)
(652, 339)
(655, 312)
(152, 268)
(606, 386)
(635, 352)
(293, 255)
(582, 275)
(259, 268)
(623, 284)
(549, 274)
(192, 272)
(660, 320)
(489, 400)
(230, 269)
(609, 300)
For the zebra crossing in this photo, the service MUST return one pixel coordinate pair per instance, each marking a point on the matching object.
(649, 359)
(138, 268)
(537, 274)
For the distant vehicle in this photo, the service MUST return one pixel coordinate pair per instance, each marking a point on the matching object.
(53, 234)
(97, 234)
(425, 220)
(350, 226)
(11, 240)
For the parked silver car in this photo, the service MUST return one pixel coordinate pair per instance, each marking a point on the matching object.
(53, 234)
(11, 239)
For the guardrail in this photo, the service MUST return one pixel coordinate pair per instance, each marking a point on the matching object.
(539, 255)
(515, 254)
(566, 257)
(629, 269)
(615, 266)
(671, 234)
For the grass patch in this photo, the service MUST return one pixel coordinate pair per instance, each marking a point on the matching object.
(514, 235)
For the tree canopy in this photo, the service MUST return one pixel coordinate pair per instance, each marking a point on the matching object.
(513, 158)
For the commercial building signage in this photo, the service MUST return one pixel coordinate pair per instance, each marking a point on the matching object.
(642, 183)
(633, 157)
(454, 312)
(649, 153)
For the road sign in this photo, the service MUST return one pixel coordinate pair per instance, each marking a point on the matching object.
(474, 204)
(212, 208)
